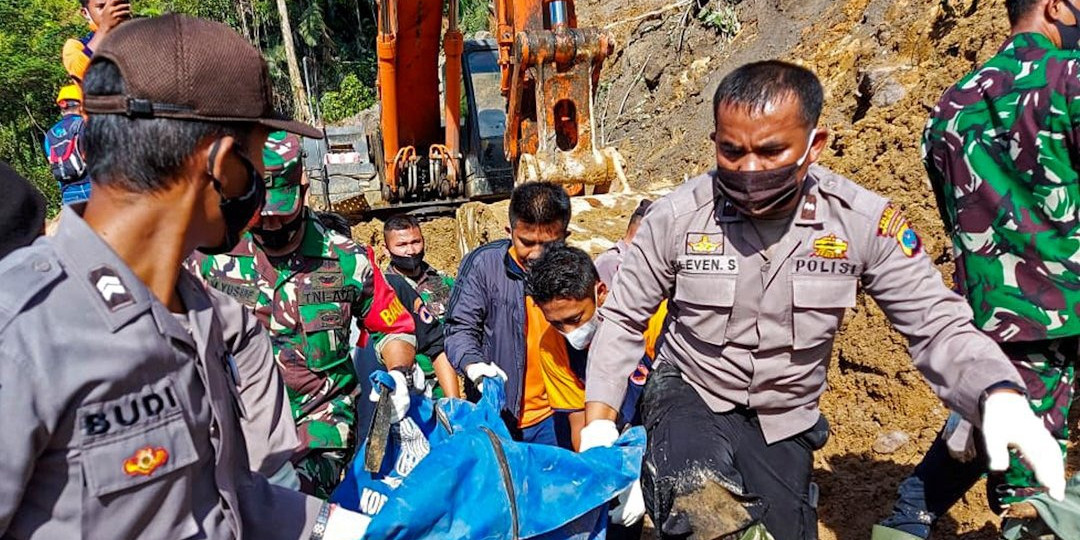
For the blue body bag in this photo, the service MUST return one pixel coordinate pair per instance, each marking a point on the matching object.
(451, 471)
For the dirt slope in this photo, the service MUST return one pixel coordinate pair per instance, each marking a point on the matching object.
(884, 64)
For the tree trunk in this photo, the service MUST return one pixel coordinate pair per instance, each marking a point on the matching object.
(242, 10)
(299, 96)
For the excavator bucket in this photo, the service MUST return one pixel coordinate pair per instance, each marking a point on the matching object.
(561, 69)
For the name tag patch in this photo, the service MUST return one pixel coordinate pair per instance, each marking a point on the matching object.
(128, 411)
(245, 294)
(719, 264)
(312, 295)
(817, 265)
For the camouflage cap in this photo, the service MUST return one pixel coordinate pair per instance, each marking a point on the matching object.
(282, 155)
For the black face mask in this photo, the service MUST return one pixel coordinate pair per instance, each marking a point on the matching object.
(1070, 35)
(239, 212)
(761, 193)
(277, 239)
(407, 263)
(758, 193)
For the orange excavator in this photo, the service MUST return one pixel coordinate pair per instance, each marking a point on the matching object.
(512, 109)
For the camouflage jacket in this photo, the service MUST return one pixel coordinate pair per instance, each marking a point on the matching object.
(1002, 150)
(433, 287)
(308, 301)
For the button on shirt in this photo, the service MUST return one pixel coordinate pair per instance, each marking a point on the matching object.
(118, 422)
(748, 330)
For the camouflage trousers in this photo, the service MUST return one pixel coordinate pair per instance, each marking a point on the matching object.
(941, 480)
(321, 471)
(329, 434)
(1048, 369)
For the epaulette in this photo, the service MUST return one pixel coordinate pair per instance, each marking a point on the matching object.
(851, 194)
(24, 274)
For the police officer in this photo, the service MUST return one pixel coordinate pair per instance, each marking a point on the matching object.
(119, 372)
(760, 258)
(306, 283)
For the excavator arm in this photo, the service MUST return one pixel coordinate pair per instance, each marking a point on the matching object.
(549, 71)
(419, 159)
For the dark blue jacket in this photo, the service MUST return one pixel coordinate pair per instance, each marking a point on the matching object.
(486, 318)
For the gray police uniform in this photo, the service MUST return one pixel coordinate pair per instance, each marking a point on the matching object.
(753, 315)
(123, 420)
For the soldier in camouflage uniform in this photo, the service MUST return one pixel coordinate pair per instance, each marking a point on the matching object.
(1001, 150)
(306, 284)
(404, 243)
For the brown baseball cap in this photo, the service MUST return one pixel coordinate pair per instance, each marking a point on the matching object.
(176, 66)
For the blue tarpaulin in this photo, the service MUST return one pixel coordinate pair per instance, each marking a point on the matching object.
(453, 472)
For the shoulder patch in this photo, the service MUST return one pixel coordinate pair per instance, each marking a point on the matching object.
(893, 224)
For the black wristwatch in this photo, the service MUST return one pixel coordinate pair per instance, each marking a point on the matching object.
(1003, 385)
(319, 529)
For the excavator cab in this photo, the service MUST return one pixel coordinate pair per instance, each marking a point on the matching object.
(348, 173)
(487, 171)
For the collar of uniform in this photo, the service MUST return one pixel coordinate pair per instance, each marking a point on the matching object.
(200, 312)
(85, 255)
(514, 269)
(1025, 41)
(245, 247)
(317, 240)
(620, 246)
(722, 209)
(809, 211)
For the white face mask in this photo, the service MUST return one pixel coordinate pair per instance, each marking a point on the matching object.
(580, 337)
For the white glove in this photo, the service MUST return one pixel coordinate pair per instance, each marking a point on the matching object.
(419, 382)
(345, 525)
(631, 506)
(478, 371)
(399, 396)
(1009, 422)
(598, 433)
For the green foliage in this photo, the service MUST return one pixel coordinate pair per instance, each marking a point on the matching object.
(351, 97)
(337, 36)
(722, 18)
(475, 16)
(312, 25)
(31, 36)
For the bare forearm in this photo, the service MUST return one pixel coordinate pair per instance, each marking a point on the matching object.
(597, 410)
(447, 377)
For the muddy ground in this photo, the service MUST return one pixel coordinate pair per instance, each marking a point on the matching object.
(884, 63)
